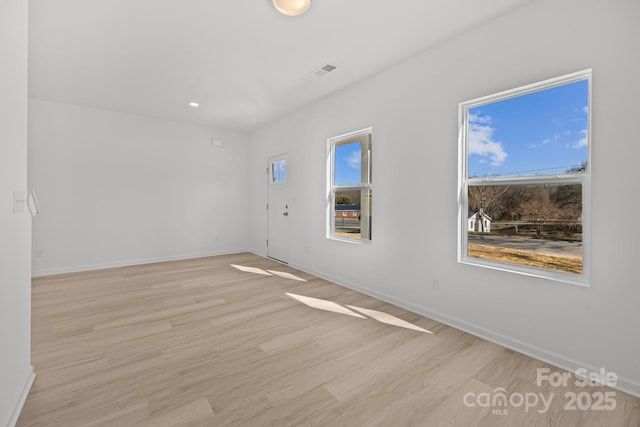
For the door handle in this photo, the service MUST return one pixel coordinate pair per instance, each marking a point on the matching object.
(285, 213)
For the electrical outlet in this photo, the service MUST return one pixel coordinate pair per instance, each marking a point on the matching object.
(436, 284)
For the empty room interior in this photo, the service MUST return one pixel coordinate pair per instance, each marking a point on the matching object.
(328, 213)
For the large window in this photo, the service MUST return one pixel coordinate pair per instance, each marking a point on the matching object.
(525, 177)
(349, 186)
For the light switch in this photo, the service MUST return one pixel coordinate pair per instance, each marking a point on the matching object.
(19, 201)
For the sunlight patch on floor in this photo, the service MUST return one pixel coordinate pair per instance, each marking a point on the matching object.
(383, 317)
(324, 305)
(380, 316)
(286, 275)
(251, 269)
(257, 270)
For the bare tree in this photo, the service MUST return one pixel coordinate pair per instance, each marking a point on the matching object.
(569, 218)
(348, 197)
(578, 169)
(511, 202)
(539, 207)
(568, 199)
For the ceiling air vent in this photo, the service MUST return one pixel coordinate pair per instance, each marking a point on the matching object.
(323, 69)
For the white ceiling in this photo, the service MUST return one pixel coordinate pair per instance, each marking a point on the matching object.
(245, 63)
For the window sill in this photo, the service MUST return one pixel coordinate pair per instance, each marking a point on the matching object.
(348, 240)
(556, 276)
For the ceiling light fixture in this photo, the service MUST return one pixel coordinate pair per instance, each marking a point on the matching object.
(292, 7)
(194, 104)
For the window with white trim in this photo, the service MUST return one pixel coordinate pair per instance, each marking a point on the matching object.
(524, 179)
(349, 185)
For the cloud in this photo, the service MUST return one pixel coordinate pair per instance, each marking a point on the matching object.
(582, 142)
(482, 120)
(355, 159)
(554, 138)
(481, 140)
(585, 109)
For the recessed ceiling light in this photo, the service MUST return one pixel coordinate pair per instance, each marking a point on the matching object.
(194, 104)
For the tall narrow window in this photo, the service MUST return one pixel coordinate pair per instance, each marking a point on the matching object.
(349, 186)
(525, 173)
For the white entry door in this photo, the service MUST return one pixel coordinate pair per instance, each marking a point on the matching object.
(278, 209)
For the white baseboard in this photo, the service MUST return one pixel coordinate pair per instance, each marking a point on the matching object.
(623, 384)
(22, 399)
(126, 263)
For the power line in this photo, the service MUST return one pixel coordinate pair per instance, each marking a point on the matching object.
(566, 168)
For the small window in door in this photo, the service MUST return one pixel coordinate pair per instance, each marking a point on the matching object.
(279, 172)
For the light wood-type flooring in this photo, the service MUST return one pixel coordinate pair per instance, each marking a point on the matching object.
(203, 343)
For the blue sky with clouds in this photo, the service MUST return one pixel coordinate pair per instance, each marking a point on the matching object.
(348, 158)
(540, 133)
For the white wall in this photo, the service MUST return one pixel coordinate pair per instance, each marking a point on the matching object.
(413, 110)
(16, 372)
(118, 189)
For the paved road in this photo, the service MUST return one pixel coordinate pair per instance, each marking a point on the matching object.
(547, 247)
(347, 226)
